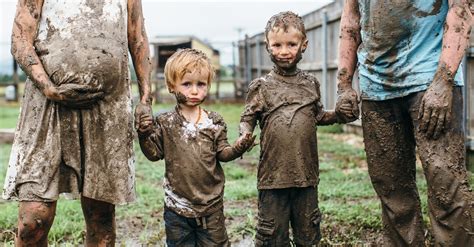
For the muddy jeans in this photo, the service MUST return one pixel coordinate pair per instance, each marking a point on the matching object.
(278, 207)
(391, 136)
(208, 231)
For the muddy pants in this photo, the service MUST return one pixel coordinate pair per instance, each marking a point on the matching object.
(390, 136)
(208, 231)
(278, 207)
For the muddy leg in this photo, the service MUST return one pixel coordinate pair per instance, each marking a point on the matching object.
(390, 148)
(34, 221)
(273, 218)
(305, 216)
(450, 200)
(100, 222)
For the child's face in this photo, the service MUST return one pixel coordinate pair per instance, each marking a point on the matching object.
(192, 89)
(286, 48)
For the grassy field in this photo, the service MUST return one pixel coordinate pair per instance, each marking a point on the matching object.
(347, 200)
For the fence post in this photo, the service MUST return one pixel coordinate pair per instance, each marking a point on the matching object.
(259, 56)
(15, 79)
(325, 57)
(248, 63)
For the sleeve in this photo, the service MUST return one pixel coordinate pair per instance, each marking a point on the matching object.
(254, 105)
(221, 138)
(319, 107)
(152, 144)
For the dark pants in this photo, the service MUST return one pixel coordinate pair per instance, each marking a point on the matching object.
(205, 231)
(277, 208)
(391, 136)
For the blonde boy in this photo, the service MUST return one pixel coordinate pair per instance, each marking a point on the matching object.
(286, 103)
(192, 141)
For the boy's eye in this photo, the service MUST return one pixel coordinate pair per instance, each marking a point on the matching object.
(186, 84)
(276, 45)
(292, 44)
(202, 84)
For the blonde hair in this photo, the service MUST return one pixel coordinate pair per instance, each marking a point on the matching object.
(185, 61)
(285, 20)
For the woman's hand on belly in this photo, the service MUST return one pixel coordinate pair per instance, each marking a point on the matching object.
(74, 95)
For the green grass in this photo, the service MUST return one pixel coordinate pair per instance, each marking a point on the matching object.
(351, 210)
(9, 116)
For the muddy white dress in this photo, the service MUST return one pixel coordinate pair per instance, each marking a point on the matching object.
(63, 150)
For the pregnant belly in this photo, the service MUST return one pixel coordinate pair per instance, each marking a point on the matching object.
(98, 68)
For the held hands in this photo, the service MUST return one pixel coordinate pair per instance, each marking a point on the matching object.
(74, 95)
(347, 105)
(145, 125)
(143, 118)
(436, 105)
(244, 143)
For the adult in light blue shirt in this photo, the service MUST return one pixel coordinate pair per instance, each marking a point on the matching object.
(409, 54)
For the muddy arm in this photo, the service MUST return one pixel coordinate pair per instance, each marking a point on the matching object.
(240, 146)
(152, 145)
(456, 35)
(139, 49)
(25, 29)
(436, 104)
(140, 52)
(349, 41)
(328, 118)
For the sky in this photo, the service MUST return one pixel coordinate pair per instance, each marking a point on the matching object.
(218, 22)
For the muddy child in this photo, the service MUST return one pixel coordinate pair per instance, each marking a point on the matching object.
(408, 55)
(192, 141)
(286, 104)
(75, 130)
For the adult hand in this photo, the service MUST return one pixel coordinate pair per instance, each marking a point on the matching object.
(347, 105)
(74, 95)
(436, 104)
(141, 110)
(245, 142)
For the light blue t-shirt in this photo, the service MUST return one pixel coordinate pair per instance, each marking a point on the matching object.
(401, 45)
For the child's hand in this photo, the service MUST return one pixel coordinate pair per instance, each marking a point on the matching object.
(145, 125)
(245, 142)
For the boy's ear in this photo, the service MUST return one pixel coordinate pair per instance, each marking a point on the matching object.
(304, 45)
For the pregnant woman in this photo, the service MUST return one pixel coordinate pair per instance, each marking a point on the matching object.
(74, 134)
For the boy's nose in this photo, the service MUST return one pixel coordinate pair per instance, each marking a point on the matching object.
(284, 50)
(194, 89)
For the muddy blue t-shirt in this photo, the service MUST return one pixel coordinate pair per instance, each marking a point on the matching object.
(401, 45)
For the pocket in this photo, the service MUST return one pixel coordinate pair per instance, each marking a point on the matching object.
(265, 231)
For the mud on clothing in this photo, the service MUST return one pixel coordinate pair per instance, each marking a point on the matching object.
(194, 179)
(277, 207)
(390, 135)
(206, 231)
(400, 48)
(59, 149)
(287, 109)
